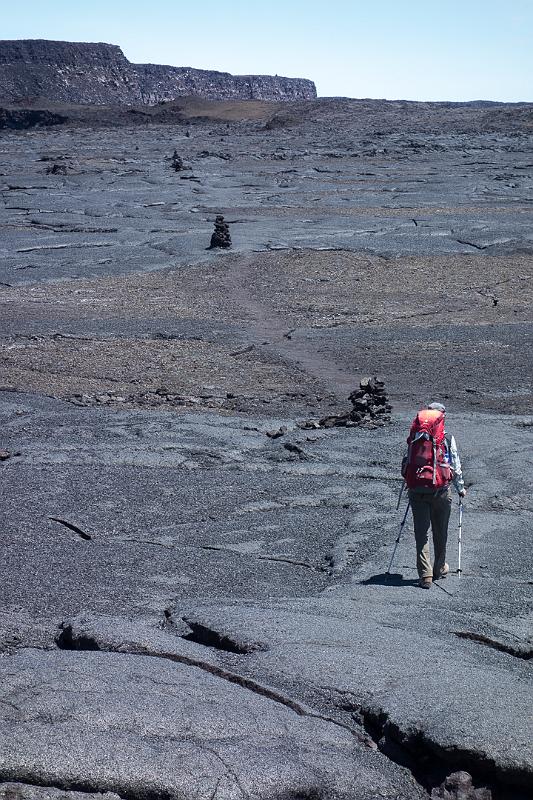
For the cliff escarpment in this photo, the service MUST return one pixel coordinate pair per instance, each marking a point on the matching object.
(100, 74)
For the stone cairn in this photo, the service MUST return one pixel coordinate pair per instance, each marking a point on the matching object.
(370, 408)
(57, 169)
(221, 235)
(177, 162)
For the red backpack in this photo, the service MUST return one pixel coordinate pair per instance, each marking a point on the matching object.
(427, 464)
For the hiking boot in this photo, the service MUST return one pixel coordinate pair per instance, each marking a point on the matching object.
(442, 574)
(425, 583)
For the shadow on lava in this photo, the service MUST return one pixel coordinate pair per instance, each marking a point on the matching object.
(389, 579)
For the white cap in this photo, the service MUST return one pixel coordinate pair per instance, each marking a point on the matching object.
(437, 407)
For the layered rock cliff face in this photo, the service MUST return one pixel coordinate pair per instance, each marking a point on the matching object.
(72, 72)
(66, 72)
(159, 83)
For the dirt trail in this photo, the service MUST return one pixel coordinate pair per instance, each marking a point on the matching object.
(269, 326)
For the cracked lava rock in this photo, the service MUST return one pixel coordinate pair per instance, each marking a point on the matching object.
(228, 630)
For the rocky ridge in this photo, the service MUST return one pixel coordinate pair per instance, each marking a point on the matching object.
(98, 73)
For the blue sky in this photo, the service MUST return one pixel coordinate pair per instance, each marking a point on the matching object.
(398, 49)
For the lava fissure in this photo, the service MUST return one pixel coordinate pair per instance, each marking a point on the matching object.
(518, 652)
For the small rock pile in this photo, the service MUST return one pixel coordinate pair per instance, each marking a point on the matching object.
(57, 169)
(371, 408)
(5, 454)
(177, 162)
(221, 235)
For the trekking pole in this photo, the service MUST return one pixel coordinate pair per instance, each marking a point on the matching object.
(459, 570)
(400, 496)
(399, 537)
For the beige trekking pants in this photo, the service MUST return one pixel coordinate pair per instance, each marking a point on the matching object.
(431, 509)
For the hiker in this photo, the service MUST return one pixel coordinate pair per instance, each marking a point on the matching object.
(431, 465)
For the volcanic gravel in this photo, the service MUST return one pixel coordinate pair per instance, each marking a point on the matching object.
(193, 598)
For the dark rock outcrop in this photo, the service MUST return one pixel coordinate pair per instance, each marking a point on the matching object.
(100, 74)
(459, 786)
(20, 119)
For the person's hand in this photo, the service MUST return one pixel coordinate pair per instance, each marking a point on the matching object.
(462, 493)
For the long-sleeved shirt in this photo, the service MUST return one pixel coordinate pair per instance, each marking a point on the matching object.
(455, 463)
